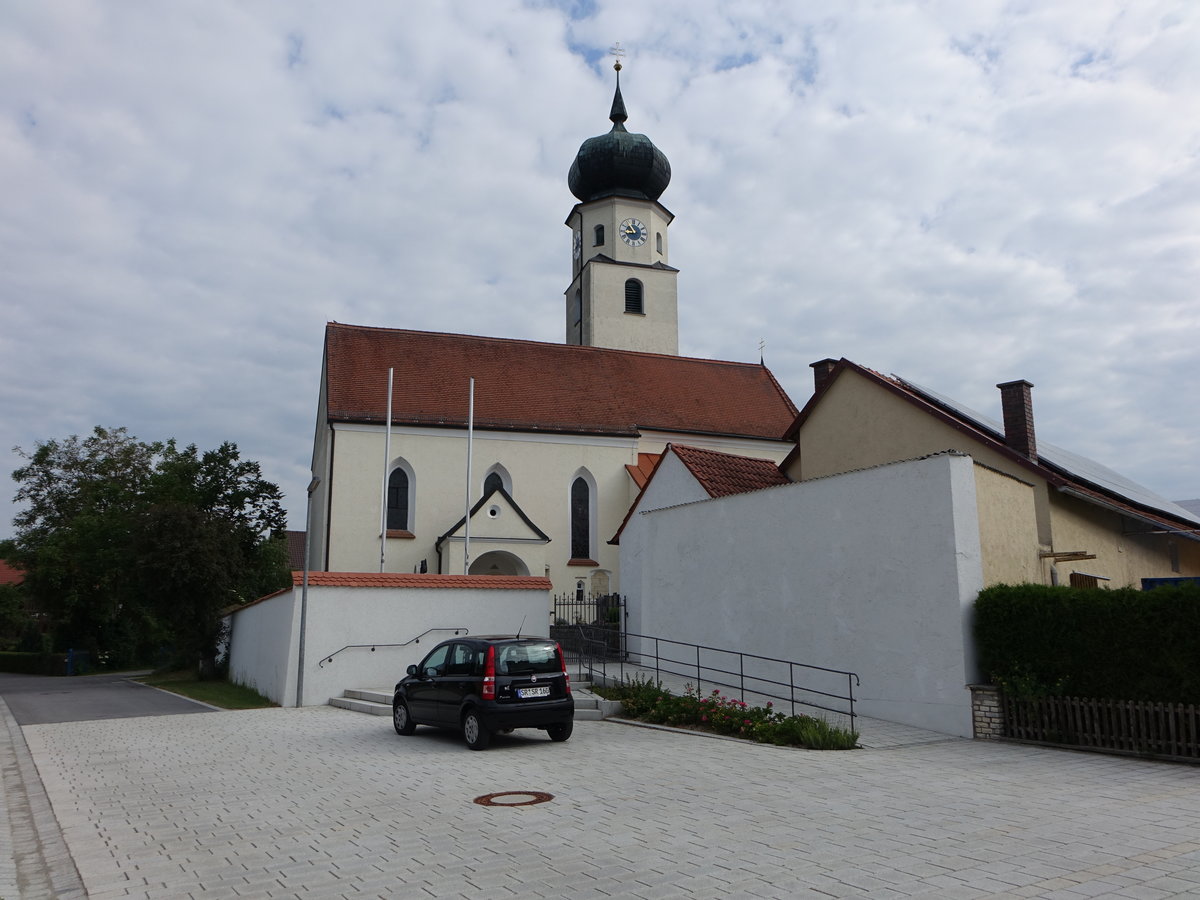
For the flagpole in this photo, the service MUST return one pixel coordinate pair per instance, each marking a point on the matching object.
(467, 517)
(387, 459)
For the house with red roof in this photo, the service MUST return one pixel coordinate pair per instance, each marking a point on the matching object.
(866, 549)
(1047, 515)
(10, 574)
(463, 454)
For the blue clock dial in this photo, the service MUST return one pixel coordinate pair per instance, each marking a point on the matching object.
(633, 232)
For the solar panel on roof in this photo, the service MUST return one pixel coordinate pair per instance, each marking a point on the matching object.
(1078, 467)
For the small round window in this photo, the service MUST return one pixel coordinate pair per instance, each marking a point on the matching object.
(494, 512)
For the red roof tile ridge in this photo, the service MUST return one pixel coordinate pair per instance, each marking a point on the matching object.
(573, 348)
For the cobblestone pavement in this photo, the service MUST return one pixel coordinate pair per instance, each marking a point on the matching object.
(321, 802)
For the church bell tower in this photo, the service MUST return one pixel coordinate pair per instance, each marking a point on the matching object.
(623, 291)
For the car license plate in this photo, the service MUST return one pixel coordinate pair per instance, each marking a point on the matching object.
(540, 691)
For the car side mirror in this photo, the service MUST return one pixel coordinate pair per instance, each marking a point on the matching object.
(432, 672)
(412, 670)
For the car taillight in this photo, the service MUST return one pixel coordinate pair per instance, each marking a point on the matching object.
(566, 676)
(489, 674)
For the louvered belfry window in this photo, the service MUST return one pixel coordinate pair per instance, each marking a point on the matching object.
(633, 296)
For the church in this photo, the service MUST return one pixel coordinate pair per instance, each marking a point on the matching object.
(852, 535)
(511, 457)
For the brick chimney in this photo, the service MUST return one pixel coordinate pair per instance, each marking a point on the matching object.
(1017, 404)
(821, 372)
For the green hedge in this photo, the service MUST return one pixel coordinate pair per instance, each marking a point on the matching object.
(1120, 644)
(34, 663)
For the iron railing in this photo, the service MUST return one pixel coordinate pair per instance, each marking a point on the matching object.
(590, 618)
(373, 647)
(794, 683)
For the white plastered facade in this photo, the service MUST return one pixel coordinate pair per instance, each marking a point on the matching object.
(540, 468)
(595, 301)
(873, 572)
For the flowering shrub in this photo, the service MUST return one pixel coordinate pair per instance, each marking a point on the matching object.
(649, 701)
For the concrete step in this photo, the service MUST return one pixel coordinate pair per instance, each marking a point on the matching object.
(375, 695)
(363, 706)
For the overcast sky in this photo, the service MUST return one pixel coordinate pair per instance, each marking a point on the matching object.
(958, 193)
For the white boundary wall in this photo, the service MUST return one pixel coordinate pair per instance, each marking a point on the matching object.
(874, 571)
(264, 639)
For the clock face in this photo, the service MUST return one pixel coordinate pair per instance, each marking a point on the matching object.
(578, 245)
(633, 232)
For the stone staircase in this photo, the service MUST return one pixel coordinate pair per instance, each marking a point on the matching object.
(378, 701)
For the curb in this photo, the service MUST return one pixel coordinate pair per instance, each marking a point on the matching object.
(43, 863)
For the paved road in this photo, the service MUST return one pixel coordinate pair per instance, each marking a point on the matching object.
(37, 700)
(321, 802)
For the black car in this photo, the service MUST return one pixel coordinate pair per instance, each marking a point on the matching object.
(486, 684)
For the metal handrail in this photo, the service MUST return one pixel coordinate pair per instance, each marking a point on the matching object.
(591, 643)
(759, 684)
(415, 640)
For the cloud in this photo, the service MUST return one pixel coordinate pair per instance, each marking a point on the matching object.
(959, 193)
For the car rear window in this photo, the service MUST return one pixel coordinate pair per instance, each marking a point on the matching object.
(525, 659)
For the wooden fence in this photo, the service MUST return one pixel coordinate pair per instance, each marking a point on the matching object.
(1169, 730)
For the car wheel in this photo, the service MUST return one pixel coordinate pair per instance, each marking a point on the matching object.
(401, 720)
(560, 731)
(476, 735)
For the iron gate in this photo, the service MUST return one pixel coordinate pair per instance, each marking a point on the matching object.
(589, 626)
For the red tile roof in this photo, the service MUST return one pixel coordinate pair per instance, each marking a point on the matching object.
(295, 550)
(531, 386)
(10, 574)
(722, 474)
(644, 468)
(403, 580)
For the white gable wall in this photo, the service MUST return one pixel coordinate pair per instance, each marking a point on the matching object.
(873, 571)
(672, 484)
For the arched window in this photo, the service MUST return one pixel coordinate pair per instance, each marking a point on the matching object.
(633, 296)
(581, 519)
(658, 241)
(497, 477)
(397, 501)
(599, 236)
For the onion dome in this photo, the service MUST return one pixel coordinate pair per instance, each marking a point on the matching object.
(619, 163)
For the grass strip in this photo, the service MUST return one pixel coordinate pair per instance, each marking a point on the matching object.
(215, 693)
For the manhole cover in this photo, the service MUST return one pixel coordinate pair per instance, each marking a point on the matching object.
(514, 798)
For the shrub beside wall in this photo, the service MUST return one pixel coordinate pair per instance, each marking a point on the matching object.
(34, 663)
(1123, 644)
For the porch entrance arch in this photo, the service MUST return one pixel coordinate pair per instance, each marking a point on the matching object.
(499, 562)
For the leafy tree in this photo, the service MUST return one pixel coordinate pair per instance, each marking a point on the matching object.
(81, 497)
(12, 616)
(131, 547)
(200, 545)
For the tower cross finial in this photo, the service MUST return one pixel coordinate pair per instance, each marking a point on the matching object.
(618, 51)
